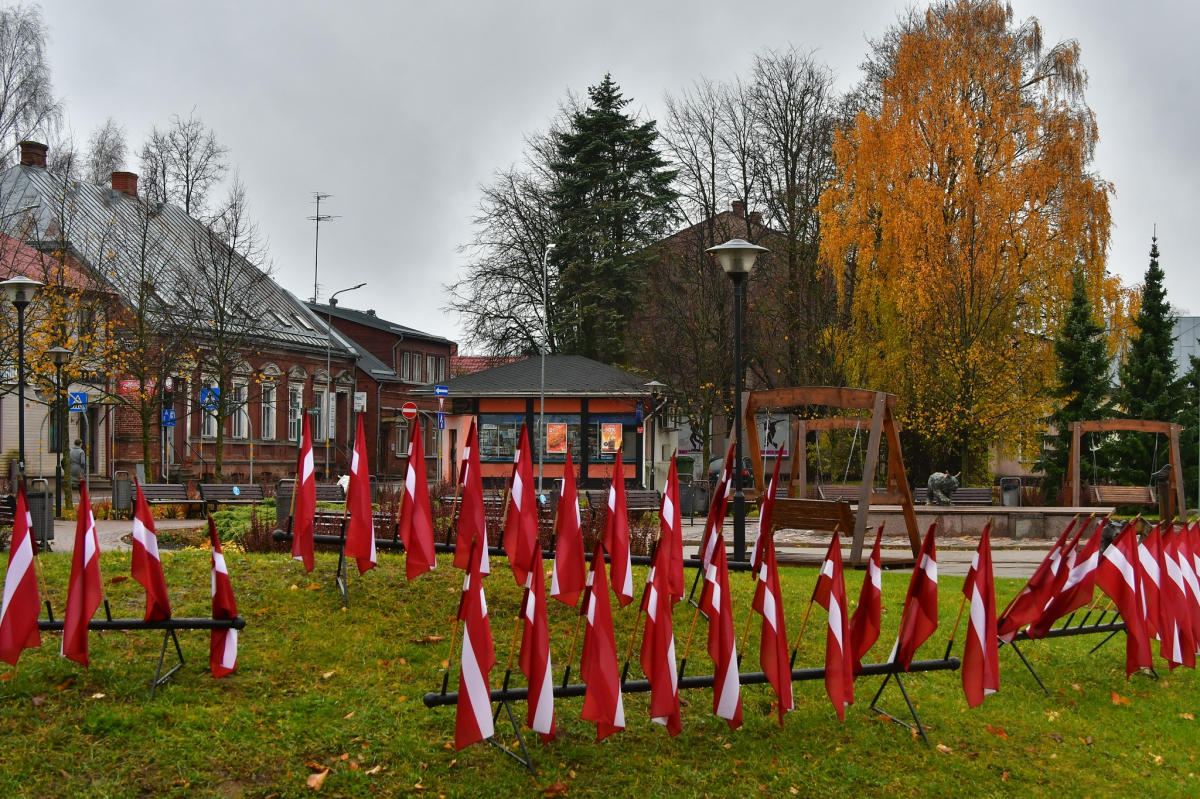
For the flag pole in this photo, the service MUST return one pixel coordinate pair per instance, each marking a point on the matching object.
(1012, 601)
(454, 512)
(587, 597)
(641, 608)
(462, 597)
(37, 563)
(512, 650)
(803, 624)
(954, 630)
(687, 649)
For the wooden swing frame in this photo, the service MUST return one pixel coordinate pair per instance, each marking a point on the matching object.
(882, 423)
(1175, 497)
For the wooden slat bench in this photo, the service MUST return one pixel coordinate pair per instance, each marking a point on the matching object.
(1122, 495)
(329, 522)
(216, 494)
(171, 494)
(637, 500)
(819, 515)
(326, 492)
(842, 493)
(963, 496)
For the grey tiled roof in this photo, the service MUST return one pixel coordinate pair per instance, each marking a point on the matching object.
(103, 233)
(566, 376)
(369, 319)
(376, 368)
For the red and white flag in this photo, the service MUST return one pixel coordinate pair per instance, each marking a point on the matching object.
(766, 510)
(1150, 580)
(919, 618)
(616, 535)
(866, 622)
(85, 590)
(21, 608)
(472, 521)
(521, 520)
(304, 513)
(360, 530)
(473, 720)
(1175, 622)
(416, 516)
(715, 521)
(1036, 594)
(981, 655)
(1187, 566)
(1118, 576)
(535, 652)
(658, 647)
(568, 578)
(602, 703)
(830, 594)
(222, 645)
(670, 541)
(146, 564)
(717, 604)
(1078, 589)
(768, 601)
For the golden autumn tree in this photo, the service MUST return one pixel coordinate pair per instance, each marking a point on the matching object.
(964, 197)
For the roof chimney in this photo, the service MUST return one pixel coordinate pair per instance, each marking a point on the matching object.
(33, 153)
(125, 182)
(739, 209)
(371, 312)
(333, 302)
(755, 218)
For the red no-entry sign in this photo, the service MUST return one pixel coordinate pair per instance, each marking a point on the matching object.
(409, 410)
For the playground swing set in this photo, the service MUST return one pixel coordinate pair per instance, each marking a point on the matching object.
(1170, 505)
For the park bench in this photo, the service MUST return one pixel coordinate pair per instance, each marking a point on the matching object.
(171, 494)
(326, 492)
(841, 493)
(8, 510)
(963, 496)
(216, 494)
(819, 515)
(1122, 495)
(637, 500)
(329, 522)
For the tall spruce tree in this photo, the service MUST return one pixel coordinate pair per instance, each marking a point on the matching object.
(1083, 386)
(1149, 388)
(613, 197)
(1189, 439)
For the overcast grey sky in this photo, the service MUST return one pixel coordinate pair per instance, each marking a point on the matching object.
(400, 110)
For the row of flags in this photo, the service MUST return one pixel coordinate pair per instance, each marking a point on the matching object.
(1152, 582)
(85, 592)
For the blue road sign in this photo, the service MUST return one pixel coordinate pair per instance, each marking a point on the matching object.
(168, 417)
(209, 398)
(441, 391)
(77, 401)
(441, 421)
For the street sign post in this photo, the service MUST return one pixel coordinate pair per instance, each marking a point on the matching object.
(77, 401)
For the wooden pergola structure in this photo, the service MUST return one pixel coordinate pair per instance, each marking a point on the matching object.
(882, 423)
(1175, 500)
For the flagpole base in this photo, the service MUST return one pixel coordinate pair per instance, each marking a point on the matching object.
(524, 759)
(340, 579)
(919, 728)
(1029, 666)
(159, 677)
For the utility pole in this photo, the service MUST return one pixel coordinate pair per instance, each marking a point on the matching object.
(318, 218)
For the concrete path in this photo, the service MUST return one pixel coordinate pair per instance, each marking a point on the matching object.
(110, 532)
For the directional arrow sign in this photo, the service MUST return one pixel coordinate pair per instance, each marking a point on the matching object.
(441, 391)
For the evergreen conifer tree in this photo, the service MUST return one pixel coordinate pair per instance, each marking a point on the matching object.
(1083, 387)
(1189, 438)
(1149, 388)
(613, 198)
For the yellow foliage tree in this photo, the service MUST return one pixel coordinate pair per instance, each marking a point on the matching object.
(964, 196)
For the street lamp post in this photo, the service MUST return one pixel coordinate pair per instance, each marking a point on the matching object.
(60, 357)
(328, 372)
(736, 257)
(20, 291)
(652, 420)
(541, 437)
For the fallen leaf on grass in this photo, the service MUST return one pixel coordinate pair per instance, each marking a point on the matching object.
(557, 789)
(1004, 777)
(452, 763)
(728, 746)
(1157, 758)
(793, 790)
(1056, 737)
(313, 587)
(430, 639)
(1075, 685)
(38, 701)
(402, 662)
(997, 731)
(1086, 741)
(374, 770)
(1117, 699)
(182, 783)
(353, 766)
(97, 696)
(1187, 716)
(120, 578)
(945, 750)
(418, 787)
(327, 675)
(345, 756)
(314, 766)
(6, 676)
(315, 781)
(63, 686)
(349, 715)
(294, 587)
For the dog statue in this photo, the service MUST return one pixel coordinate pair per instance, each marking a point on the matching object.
(940, 488)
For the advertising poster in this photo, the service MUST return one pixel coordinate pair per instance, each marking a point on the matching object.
(774, 435)
(610, 439)
(556, 438)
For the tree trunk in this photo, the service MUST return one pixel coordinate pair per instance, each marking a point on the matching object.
(147, 460)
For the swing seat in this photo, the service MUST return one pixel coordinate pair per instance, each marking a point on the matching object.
(818, 515)
(1122, 495)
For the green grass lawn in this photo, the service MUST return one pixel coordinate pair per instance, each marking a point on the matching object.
(343, 689)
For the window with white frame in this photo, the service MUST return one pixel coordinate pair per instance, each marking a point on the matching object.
(405, 366)
(295, 410)
(401, 443)
(441, 369)
(239, 416)
(430, 368)
(267, 431)
(317, 421)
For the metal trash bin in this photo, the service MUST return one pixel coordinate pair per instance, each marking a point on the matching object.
(122, 493)
(1010, 492)
(41, 509)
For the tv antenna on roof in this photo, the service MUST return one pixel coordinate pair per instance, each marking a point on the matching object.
(318, 218)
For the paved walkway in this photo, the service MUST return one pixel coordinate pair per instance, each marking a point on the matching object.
(110, 532)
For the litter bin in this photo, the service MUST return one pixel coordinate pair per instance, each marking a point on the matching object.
(1010, 492)
(122, 496)
(41, 509)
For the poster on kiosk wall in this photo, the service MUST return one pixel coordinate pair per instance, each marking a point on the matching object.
(610, 438)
